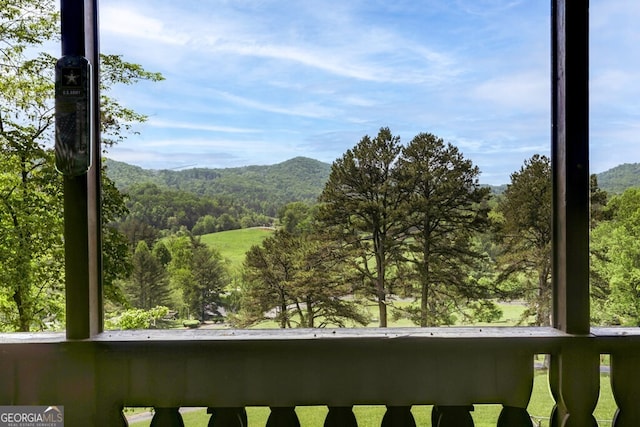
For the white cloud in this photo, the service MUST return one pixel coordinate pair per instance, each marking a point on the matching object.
(341, 49)
(523, 91)
(197, 126)
(130, 23)
(309, 109)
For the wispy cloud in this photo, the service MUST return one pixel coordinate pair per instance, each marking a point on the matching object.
(258, 82)
(347, 52)
(304, 110)
(522, 91)
(169, 124)
(130, 23)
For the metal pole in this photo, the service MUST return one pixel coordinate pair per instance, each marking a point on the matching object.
(83, 316)
(92, 35)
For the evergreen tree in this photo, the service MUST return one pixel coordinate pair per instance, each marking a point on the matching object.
(161, 252)
(199, 273)
(360, 204)
(300, 276)
(208, 279)
(149, 283)
(523, 228)
(445, 208)
(269, 270)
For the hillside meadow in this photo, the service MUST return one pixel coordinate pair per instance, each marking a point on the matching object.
(233, 244)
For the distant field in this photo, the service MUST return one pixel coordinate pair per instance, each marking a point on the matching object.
(234, 244)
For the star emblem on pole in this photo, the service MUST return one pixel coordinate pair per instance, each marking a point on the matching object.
(72, 78)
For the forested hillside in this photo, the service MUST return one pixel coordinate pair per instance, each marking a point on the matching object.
(262, 189)
(618, 179)
(210, 200)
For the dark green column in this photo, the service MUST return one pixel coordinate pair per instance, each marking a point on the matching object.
(81, 193)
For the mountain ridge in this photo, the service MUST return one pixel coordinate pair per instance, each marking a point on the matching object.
(617, 179)
(297, 179)
(261, 188)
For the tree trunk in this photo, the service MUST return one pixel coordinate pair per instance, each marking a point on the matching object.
(426, 253)
(24, 315)
(424, 305)
(380, 272)
(382, 308)
(382, 296)
(283, 316)
(310, 316)
(301, 315)
(21, 295)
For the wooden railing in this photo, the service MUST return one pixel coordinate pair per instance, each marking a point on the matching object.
(95, 374)
(228, 370)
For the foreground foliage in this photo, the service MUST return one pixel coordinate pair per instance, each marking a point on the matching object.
(32, 270)
(616, 261)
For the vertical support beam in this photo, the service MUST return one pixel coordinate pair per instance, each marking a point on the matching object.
(83, 304)
(625, 384)
(574, 374)
(570, 165)
(94, 182)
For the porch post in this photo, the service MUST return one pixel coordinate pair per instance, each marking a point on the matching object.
(570, 165)
(81, 193)
(574, 373)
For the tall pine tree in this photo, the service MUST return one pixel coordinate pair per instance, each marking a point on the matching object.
(445, 209)
(361, 205)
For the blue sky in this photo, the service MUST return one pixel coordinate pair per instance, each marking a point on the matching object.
(261, 81)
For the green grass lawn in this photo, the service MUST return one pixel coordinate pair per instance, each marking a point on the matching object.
(371, 416)
(511, 313)
(234, 244)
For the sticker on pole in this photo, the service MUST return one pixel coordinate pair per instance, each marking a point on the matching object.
(73, 120)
